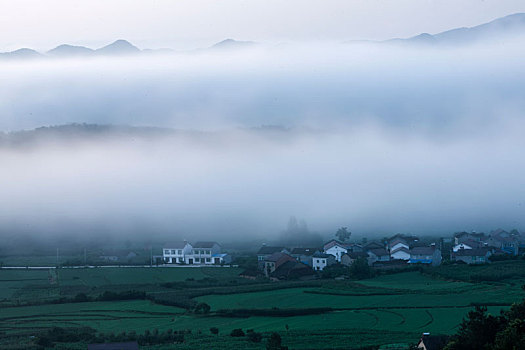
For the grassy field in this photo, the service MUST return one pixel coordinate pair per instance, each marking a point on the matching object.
(387, 309)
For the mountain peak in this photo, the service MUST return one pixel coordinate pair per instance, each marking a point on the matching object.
(70, 50)
(231, 43)
(119, 47)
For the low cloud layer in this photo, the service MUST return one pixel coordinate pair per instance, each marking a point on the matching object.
(378, 138)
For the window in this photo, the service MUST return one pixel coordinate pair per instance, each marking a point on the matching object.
(208, 260)
(197, 260)
(166, 251)
(179, 251)
(208, 252)
(318, 261)
(173, 251)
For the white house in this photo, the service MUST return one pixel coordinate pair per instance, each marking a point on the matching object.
(400, 253)
(320, 261)
(203, 252)
(200, 253)
(176, 252)
(398, 243)
(335, 248)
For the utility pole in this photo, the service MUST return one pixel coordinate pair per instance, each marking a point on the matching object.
(151, 255)
(85, 257)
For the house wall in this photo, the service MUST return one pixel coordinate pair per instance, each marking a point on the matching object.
(400, 255)
(176, 255)
(336, 251)
(319, 264)
(399, 245)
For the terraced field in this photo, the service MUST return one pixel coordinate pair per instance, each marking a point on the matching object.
(387, 309)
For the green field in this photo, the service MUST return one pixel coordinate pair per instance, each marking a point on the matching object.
(387, 309)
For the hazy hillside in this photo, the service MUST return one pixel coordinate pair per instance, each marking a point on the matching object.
(507, 27)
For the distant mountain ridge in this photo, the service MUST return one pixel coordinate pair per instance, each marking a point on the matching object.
(117, 48)
(501, 28)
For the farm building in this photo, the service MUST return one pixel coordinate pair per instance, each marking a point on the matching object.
(274, 261)
(350, 257)
(200, 253)
(266, 251)
(320, 261)
(400, 253)
(472, 256)
(425, 255)
(176, 252)
(304, 255)
(378, 254)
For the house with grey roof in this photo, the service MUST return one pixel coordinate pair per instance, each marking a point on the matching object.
(430, 255)
(321, 260)
(304, 255)
(265, 252)
(472, 256)
(349, 258)
(378, 254)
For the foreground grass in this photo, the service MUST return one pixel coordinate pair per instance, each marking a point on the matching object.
(384, 310)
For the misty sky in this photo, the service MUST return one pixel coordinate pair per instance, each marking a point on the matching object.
(377, 137)
(193, 23)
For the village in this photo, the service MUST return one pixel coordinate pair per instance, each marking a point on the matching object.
(396, 252)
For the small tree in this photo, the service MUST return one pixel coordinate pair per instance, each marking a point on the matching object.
(343, 234)
(360, 269)
(202, 308)
(255, 337)
(274, 342)
(237, 332)
(214, 330)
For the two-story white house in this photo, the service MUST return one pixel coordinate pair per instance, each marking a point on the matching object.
(176, 252)
(335, 248)
(203, 253)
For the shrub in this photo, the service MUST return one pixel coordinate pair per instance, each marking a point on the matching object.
(214, 330)
(255, 337)
(202, 308)
(237, 332)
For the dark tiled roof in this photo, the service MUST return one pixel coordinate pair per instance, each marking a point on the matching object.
(322, 255)
(356, 255)
(400, 249)
(373, 245)
(205, 244)
(275, 257)
(304, 251)
(379, 252)
(265, 250)
(333, 242)
(422, 251)
(472, 252)
(115, 346)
